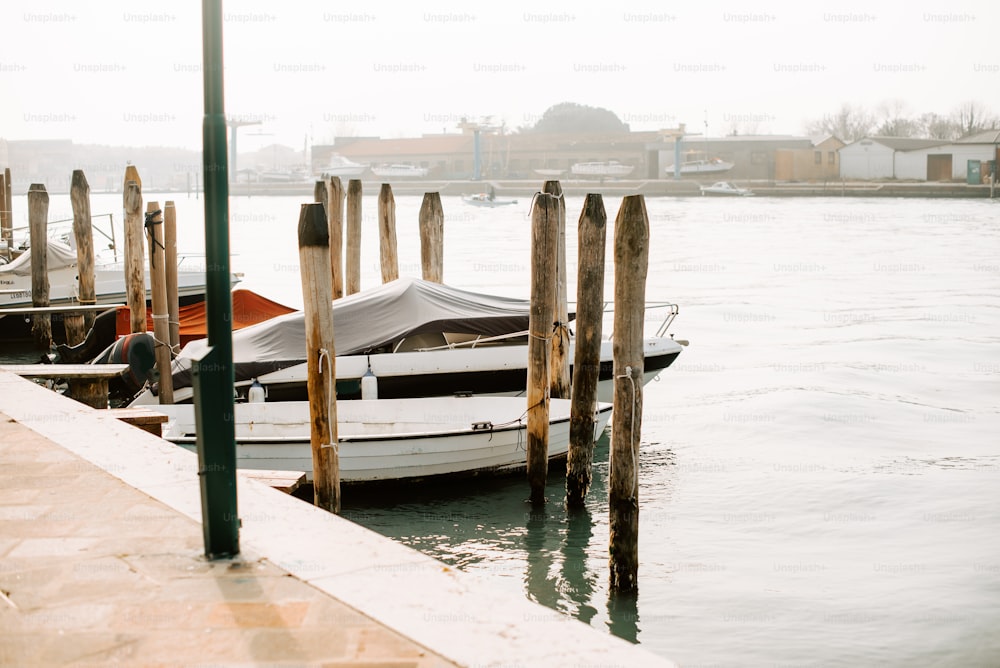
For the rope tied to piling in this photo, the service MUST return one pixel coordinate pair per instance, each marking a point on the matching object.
(611, 460)
(150, 221)
(329, 381)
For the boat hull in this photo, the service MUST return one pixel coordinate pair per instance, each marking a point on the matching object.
(391, 440)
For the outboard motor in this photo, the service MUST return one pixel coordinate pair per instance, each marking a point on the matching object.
(136, 350)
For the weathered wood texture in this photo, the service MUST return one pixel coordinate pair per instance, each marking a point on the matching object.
(432, 238)
(135, 279)
(631, 264)
(592, 232)
(6, 215)
(158, 300)
(559, 378)
(77, 325)
(335, 217)
(387, 250)
(170, 269)
(314, 261)
(544, 228)
(38, 220)
(352, 259)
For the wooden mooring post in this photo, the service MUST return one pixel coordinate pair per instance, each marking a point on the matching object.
(559, 378)
(38, 220)
(6, 215)
(592, 233)
(335, 217)
(631, 264)
(321, 383)
(352, 260)
(544, 229)
(387, 253)
(135, 280)
(78, 325)
(158, 301)
(432, 238)
(170, 273)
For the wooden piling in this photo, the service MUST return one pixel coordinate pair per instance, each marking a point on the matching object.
(158, 300)
(559, 378)
(170, 273)
(335, 218)
(77, 325)
(314, 261)
(432, 238)
(544, 228)
(631, 263)
(592, 233)
(352, 260)
(135, 280)
(6, 215)
(38, 220)
(388, 257)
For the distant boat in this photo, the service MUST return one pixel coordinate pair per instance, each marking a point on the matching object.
(603, 169)
(725, 188)
(282, 176)
(487, 199)
(550, 172)
(400, 171)
(343, 167)
(702, 166)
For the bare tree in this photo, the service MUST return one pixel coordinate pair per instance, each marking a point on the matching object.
(935, 126)
(849, 124)
(972, 117)
(895, 122)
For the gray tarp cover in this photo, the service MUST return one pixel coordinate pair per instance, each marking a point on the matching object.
(376, 317)
(58, 255)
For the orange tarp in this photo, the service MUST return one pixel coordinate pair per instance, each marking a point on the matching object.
(249, 308)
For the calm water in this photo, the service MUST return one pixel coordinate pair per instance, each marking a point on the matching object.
(819, 469)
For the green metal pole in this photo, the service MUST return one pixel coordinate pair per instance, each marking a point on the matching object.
(213, 374)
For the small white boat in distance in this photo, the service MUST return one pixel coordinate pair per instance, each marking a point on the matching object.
(400, 171)
(391, 440)
(713, 166)
(601, 169)
(725, 188)
(343, 167)
(550, 173)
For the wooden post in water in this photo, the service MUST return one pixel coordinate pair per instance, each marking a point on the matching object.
(77, 326)
(314, 260)
(6, 215)
(544, 229)
(631, 264)
(388, 257)
(335, 216)
(559, 379)
(170, 273)
(352, 261)
(432, 238)
(38, 220)
(592, 233)
(135, 280)
(158, 301)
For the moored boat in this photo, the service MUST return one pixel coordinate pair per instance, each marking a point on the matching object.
(400, 171)
(611, 168)
(725, 189)
(391, 440)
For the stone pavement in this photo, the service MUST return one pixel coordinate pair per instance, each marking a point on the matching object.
(96, 572)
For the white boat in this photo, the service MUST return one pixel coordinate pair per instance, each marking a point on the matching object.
(707, 166)
(603, 169)
(725, 189)
(343, 167)
(109, 284)
(419, 339)
(487, 199)
(550, 173)
(386, 440)
(400, 171)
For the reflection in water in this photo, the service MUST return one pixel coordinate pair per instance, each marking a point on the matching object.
(578, 579)
(623, 615)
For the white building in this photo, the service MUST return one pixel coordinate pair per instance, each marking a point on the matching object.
(917, 159)
(872, 158)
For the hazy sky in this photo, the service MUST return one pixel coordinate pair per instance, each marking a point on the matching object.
(130, 72)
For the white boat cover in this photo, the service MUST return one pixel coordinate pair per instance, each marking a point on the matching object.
(58, 255)
(376, 319)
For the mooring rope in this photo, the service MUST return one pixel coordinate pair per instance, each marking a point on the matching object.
(148, 224)
(330, 397)
(611, 459)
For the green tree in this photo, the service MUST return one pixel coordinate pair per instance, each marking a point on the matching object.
(572, 118)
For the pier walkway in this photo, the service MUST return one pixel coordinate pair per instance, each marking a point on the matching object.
(101, 562)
